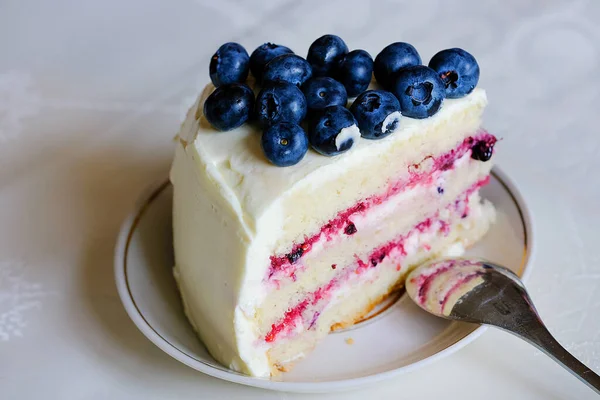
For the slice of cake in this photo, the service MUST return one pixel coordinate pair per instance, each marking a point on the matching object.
(276, 244)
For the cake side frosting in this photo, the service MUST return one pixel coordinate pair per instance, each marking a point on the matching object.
(211, 252)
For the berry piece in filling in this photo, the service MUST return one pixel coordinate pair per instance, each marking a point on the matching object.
(333, 131)
(458, 70)
(288, 68)
(392, 59)
(355, 72)
(420, 91)
(482, 151)
(230, 64)
(295, 255)
(279, 102)
(325, 54)
(350, 229)
(229, 106)
(323, 92)
(284, 144)
(377, 113)
(262, 55)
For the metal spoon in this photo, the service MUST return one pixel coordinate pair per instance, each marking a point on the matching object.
(485, 293)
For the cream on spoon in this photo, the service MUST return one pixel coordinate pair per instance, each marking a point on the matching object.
(481, 292)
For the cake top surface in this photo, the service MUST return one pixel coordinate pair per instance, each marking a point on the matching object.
(235, 158)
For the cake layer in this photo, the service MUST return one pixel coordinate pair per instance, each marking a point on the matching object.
(348, 297)
(376, 225)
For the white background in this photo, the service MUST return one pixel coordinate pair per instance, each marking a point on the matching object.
(92, 92)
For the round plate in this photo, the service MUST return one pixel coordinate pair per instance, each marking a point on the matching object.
(397, 340)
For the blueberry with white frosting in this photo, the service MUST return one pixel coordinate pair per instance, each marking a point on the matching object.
(325, 54)
(230, 64)
(392, 59)
(323, 92)
(284, 144)
(458, 70)
(333, 131)
(355, 72)
(288, 68)
(377, 113)
(229, 106)
(280, 102)
(263, 54)
(420, 91)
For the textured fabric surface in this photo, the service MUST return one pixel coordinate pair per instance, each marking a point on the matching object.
(91, 94)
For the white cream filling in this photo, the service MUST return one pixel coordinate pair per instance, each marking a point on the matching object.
(456, 250)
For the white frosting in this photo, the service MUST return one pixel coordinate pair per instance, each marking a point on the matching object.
(346, 134)
(228, 210)
(456, 250)
(395, 116)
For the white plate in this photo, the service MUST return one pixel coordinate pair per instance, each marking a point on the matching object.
(397, 340)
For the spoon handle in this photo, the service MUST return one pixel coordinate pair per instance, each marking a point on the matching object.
(511, 309)
(539, 336)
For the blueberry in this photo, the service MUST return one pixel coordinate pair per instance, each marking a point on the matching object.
(284, 143)
(350, 229)
(377, 113)
(262, 55)
(230, 64)
(458, 70)
(420, 91)
(279, 102)
(333, 131)
(392, 59)
(355, 72)
(482, 150)
(229, 106)
(289, 68)
(325, 54)
(323, 91)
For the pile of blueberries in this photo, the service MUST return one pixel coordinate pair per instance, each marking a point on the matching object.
(313, 92)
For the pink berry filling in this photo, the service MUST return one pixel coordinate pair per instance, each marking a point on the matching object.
(394, 250)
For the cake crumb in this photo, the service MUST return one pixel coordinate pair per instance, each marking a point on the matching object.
(349, 340)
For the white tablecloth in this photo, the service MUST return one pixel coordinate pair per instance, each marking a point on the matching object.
(91, 94)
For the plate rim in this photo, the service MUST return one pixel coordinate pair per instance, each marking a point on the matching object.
(121, 248)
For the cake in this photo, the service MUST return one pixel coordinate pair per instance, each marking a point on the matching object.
(277, 244)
